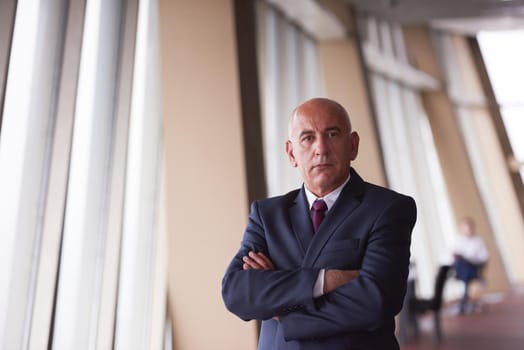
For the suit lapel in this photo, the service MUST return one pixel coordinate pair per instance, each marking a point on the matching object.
(349, 199)
(300, 222)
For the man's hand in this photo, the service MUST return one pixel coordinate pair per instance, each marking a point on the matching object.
(257, 261)
(337, 278)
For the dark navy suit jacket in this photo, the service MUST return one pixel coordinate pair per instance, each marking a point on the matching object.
(368, 229)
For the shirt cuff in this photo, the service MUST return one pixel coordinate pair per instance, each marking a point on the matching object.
(318, 288)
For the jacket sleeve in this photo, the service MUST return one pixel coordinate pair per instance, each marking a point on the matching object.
(262, 294)
(376, 296)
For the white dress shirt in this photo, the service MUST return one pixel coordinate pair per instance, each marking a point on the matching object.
(471, 248)
(330, 199)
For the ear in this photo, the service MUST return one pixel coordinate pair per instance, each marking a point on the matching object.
(355, 139)
(290, 155)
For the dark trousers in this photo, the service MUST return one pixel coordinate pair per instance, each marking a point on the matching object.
(466, 272)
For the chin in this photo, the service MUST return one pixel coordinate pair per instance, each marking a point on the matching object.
(325, 186)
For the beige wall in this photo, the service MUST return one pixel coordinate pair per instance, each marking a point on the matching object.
(458, 175)
(344, 82)
(206, 192)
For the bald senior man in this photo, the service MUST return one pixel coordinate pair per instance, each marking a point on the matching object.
(324, 266)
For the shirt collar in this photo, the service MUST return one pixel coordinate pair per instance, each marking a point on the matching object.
(329, 198)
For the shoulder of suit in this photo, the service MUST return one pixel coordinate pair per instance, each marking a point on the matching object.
(285, 198)
(384, 192)
(362, 187)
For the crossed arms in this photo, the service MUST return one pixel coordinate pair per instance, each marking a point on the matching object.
(333, 278)
(254, 287)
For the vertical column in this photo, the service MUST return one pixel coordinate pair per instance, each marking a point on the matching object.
(27, 136)
(142, 283)
(205, 169)
(89, 251)
(53, 220)
(246, 33)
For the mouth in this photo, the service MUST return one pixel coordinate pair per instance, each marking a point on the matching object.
(322, 166)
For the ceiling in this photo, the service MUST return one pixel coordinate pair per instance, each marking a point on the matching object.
(466, 16)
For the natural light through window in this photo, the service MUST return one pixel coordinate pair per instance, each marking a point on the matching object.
(503, 53)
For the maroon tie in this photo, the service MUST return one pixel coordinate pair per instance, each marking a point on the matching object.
(318, 210)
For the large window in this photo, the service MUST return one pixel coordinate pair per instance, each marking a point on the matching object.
(81, 264)
(410, 157)
(503, 54)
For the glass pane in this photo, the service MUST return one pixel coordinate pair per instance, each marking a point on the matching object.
(503, 53)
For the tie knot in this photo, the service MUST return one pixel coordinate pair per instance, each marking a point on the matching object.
(319, 205)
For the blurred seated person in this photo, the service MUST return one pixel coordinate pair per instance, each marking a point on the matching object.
(470, 256)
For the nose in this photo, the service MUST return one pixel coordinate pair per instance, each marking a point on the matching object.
(321, 146)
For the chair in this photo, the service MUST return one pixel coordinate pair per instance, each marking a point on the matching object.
(468, 273)
(420, 306)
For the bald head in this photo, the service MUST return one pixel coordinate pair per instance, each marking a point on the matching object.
(317, 106)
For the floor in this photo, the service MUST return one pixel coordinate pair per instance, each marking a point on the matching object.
(498, 325)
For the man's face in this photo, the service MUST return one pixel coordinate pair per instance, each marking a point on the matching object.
(322, 146)
(468, 228)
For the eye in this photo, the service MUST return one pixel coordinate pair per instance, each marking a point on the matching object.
(333, 133)
(307, 138)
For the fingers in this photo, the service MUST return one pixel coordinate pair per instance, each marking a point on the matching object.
(262, 260)
(257, 261)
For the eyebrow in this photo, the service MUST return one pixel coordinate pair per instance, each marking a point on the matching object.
(328, 129)
(305, 132)
(333, 128)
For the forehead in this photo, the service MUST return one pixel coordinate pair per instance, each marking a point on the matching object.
(318, 119)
